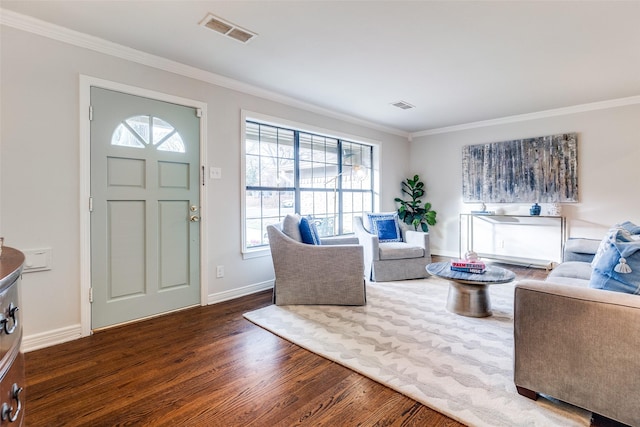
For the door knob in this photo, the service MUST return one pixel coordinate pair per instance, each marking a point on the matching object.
(194, 218)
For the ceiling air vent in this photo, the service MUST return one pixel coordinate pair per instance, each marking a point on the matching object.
(226, 28)
(403, 105)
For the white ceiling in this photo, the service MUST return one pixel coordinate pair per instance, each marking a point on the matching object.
(457, 61)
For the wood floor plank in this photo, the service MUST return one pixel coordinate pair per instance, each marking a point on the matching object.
(208, 366)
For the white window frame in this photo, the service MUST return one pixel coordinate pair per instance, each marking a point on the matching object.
(247, 115)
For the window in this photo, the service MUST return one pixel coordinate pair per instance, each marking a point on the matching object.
(327, 179)
(141, 131)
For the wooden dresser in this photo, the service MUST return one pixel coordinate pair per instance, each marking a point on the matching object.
(11, 358)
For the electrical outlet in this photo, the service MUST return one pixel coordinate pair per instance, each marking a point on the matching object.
(220, 271)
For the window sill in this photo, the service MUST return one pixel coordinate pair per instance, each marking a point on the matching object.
(256, 253)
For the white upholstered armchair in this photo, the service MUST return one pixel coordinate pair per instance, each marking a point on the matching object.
(388, 261)
(326, 274)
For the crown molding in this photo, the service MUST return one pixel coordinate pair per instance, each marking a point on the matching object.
(76, 38)
(593, 106)
(65, 35)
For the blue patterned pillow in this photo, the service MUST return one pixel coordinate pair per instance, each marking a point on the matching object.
(618, 266)
(385, 226)
(630, 227)
(309, 232)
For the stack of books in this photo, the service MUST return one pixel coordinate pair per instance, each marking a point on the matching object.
(467, 266)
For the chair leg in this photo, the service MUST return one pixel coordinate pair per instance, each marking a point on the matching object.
(527, 393)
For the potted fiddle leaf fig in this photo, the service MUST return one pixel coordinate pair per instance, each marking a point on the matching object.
(414, 212)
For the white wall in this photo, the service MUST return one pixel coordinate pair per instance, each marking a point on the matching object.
(39, 178)
(608, 153)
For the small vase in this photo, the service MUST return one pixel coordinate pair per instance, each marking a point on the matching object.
(535, 209)
(555, 210)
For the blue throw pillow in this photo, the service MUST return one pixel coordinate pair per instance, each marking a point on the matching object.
(309, 232)
(618, 267)
(630, 227)
(385, 226)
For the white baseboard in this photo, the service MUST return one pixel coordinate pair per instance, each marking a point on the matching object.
(73, 332)
(445, 253)
(240, 292)
(49, 338)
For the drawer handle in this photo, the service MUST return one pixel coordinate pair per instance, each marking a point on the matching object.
(5, 322)
(8, 409)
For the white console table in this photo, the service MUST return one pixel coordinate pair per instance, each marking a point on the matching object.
(516, 239)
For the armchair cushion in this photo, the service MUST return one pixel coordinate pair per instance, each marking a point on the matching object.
(400, 250)
(385, 226)
(291, 227)
(309, 232)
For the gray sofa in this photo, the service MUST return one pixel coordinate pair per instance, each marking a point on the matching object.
(578, 344)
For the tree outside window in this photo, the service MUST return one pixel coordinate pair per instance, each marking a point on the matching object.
(326, 179)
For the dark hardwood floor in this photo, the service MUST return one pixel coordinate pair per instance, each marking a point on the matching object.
(208, 366)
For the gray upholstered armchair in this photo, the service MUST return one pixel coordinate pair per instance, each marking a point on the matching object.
(326, 274)
(388, 261)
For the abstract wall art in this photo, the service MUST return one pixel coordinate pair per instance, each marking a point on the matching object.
(542, 169)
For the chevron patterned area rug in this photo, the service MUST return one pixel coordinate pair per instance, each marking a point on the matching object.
(405, 339)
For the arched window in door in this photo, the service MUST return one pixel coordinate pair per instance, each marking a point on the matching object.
(148, 131)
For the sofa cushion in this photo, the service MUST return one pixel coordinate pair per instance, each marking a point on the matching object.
(385, 226)
(291, 227)
(570, 281)
(580, 249)
(618, 267)
(309, 232)
(571, 269)
(399, 250)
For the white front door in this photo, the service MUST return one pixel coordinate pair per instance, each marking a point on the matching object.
(145, 230)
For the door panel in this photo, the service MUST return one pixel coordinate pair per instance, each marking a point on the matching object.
(173, 175)
(126, 249)
(145, 248)
(125, 172)
(174, 248)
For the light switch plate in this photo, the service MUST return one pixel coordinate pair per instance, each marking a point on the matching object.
(37, 260)
(215, 173)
